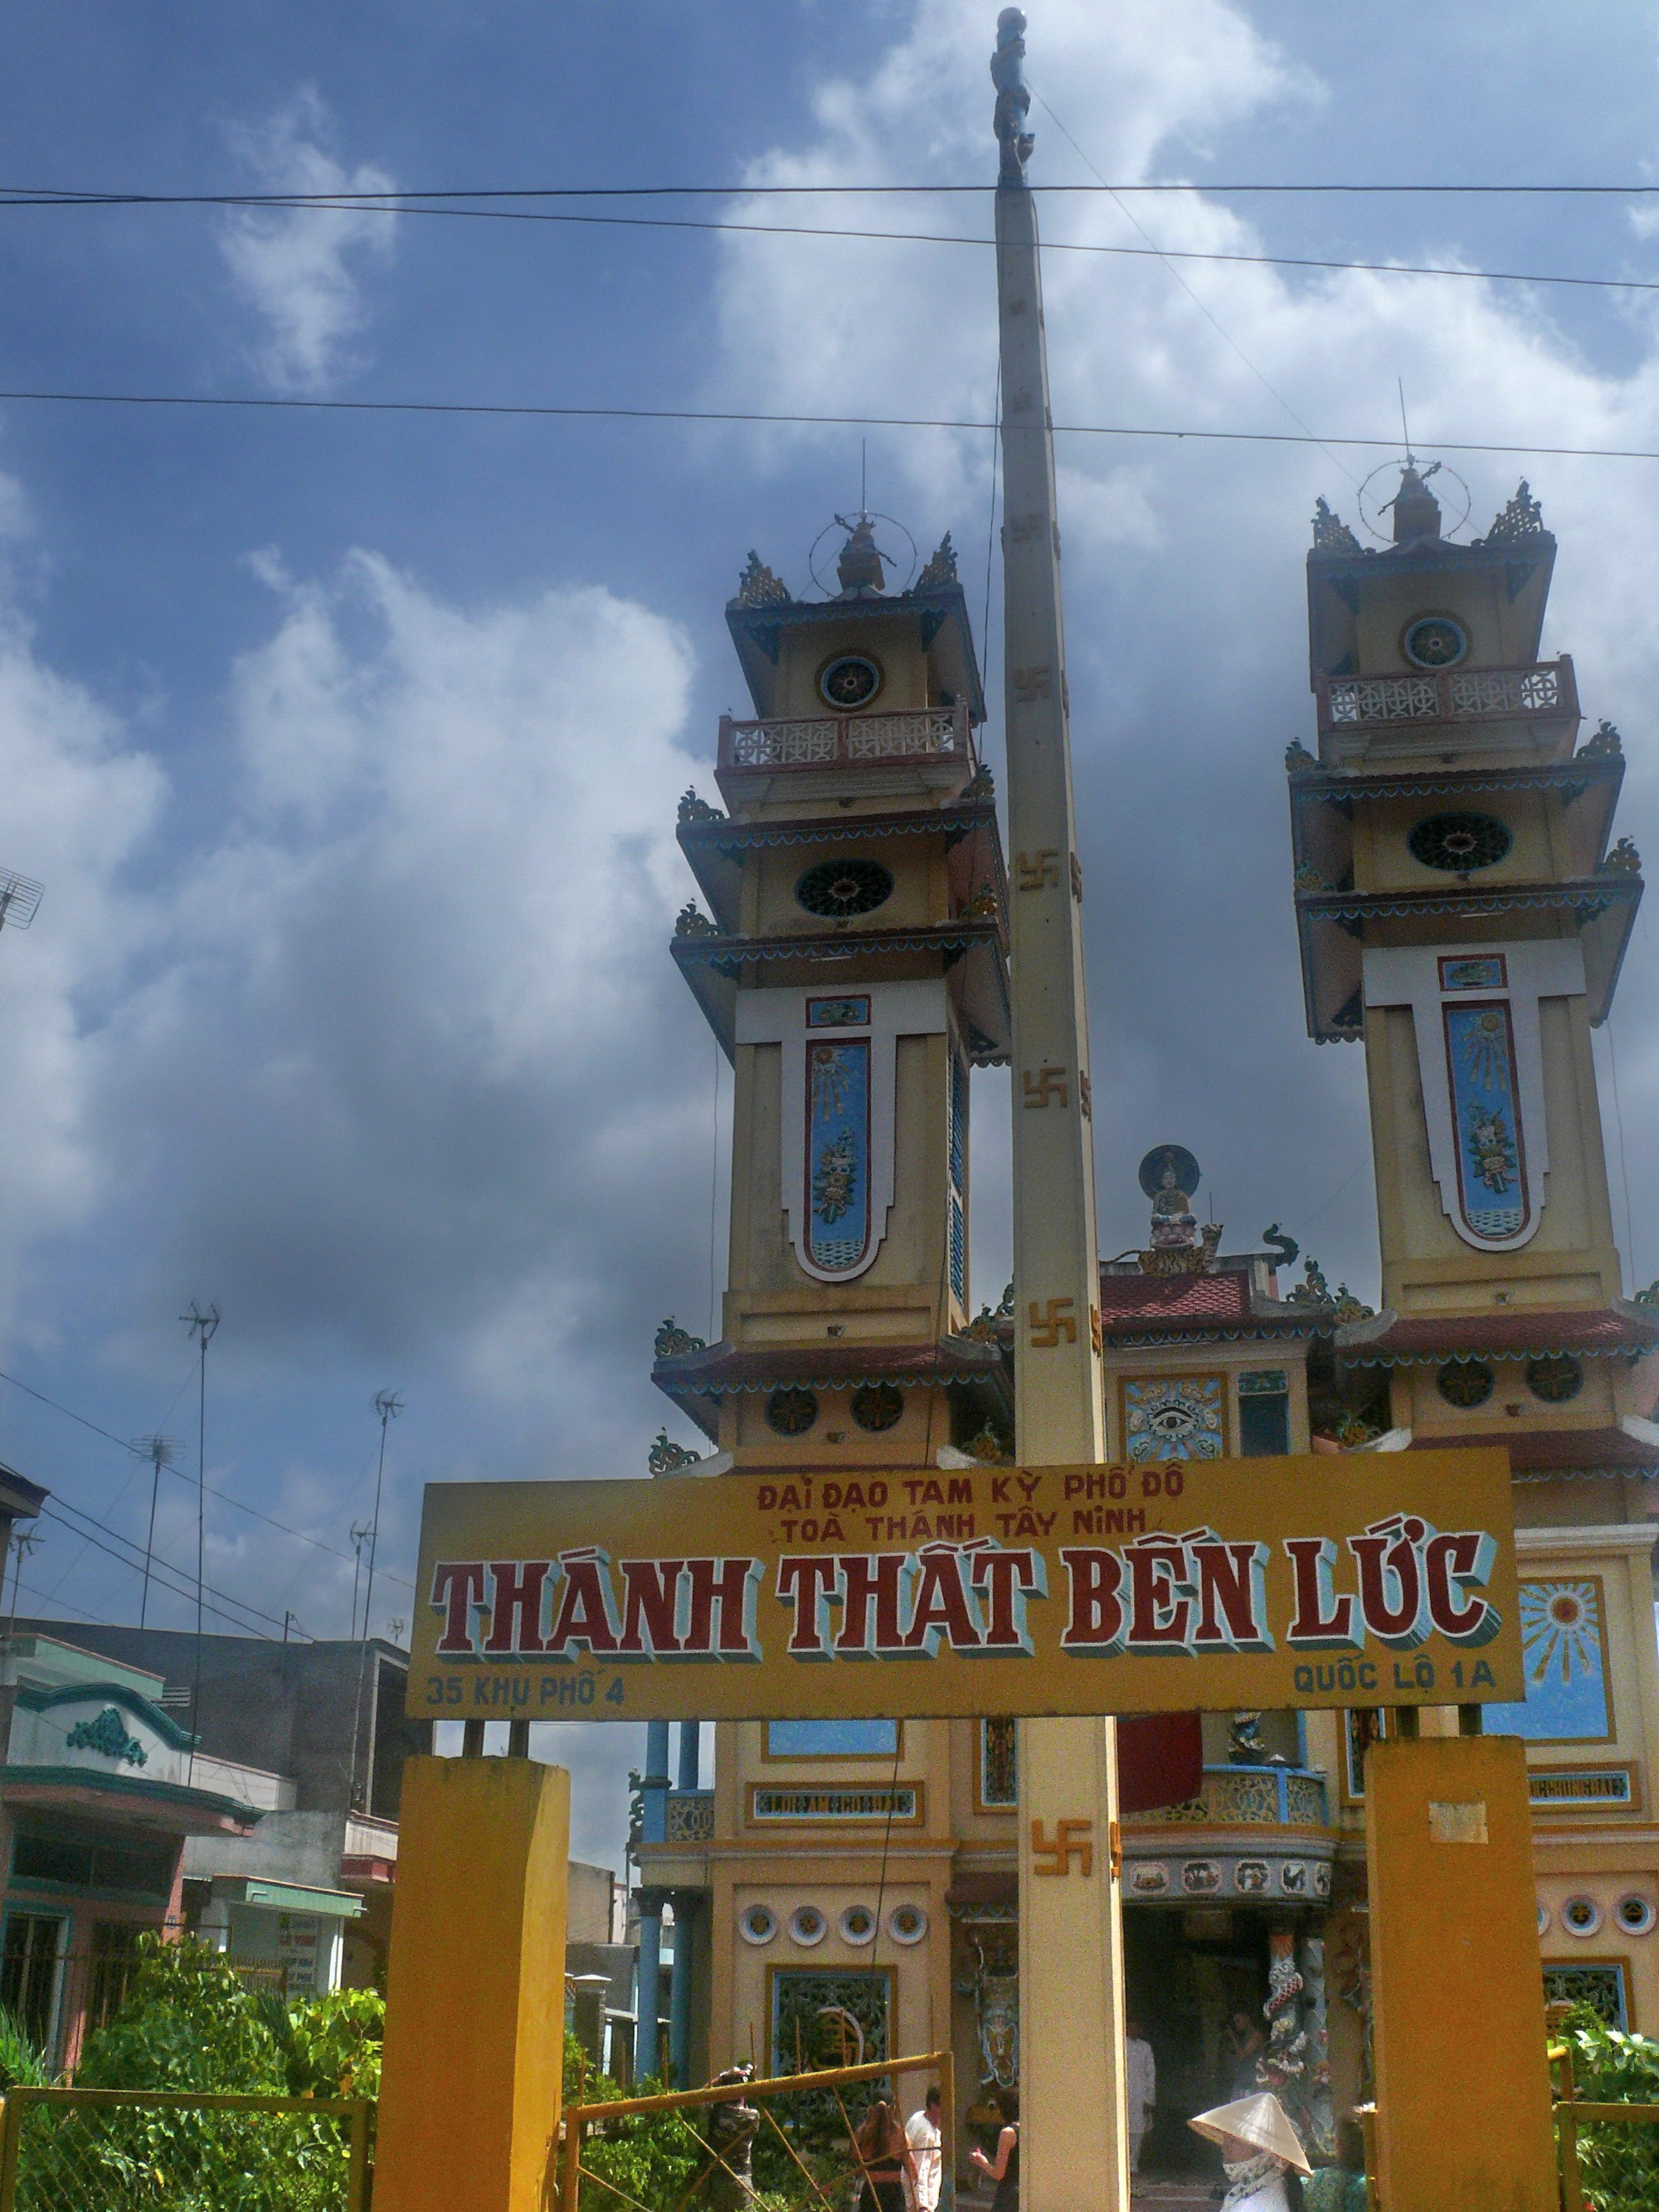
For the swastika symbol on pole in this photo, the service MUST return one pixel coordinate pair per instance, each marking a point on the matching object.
(1052, 1324)
(1046, 1087)
(1036, 869)
(1074, 1839)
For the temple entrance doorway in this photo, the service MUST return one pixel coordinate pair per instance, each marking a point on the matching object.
(1188, 1970)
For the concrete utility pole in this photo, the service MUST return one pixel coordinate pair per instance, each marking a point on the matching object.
(1072, 2141)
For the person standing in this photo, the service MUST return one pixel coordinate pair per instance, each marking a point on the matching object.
(1260, 2149)
(923, 2133)
(884, 2161)
(1004, 2169)
(1140, 2082)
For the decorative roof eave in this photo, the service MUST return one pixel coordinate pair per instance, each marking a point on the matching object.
(213, 1813)
(1431, 556)
(1202, 1332)
(1588, 898)
(1572, 1454)
(941, 608)
(1330, 787)
(36, 1700)
(713, 847)
(1620, 1331)
(729, 1369)
(711, 963)
(1596, 892)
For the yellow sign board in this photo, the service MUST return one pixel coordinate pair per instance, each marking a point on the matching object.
(1368, 1579)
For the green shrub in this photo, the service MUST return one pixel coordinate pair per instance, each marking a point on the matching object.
(1619, 2163)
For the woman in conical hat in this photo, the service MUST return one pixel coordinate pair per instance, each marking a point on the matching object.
(1258, 2145)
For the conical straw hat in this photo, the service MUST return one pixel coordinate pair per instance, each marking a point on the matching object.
(1260, 2120)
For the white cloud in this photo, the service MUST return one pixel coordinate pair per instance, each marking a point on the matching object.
(399, 1061)
(300, 269)
(79, 801)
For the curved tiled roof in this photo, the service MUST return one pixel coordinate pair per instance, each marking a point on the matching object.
(1587, 1333)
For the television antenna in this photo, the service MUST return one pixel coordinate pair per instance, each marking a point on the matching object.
(20, 899)
(160, 1451)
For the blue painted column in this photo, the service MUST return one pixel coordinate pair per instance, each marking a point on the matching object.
(686, 1903)
(654, 1829)
(649, 1976)
(690, 1753)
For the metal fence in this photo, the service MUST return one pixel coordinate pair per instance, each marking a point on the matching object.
(140, 2150)
(815, 2166)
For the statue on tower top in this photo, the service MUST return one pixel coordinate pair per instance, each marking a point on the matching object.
(1169, 1176)
(860, 570)
(1013, 95)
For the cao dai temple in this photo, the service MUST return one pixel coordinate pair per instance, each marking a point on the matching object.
(851, 1887)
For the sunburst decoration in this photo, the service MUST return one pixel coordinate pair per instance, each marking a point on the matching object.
(1560, 1625)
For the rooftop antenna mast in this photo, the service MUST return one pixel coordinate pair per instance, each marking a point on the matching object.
(20, 899)
(202, 1327)
(388, 1405)
(160, 1451)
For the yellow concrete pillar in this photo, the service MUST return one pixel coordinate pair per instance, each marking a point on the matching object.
(474, 2004)
(1462, 2084)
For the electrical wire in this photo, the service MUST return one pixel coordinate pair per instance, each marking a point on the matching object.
(65, 196)
(224, 1497)
(183, 1588)
(1149, 252)
(816, 422)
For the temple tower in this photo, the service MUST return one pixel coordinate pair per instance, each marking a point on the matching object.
(853, 962)
(853, 967)
(1464, 910)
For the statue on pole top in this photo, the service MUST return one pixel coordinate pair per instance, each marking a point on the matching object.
(1013, 95)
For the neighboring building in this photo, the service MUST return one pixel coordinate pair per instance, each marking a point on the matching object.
(851, 1884)
(271, 1832)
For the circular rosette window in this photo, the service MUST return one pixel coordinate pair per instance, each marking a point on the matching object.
(1554, 1381)
(848, 682)
(907, 1923)
(807, 1926)
(858, 1925)
(757, 1923)
(1635, 1914)
(1580, 1916)
(837, 888)
(1543, 1917)
(1434, 641)
(793, 1411)
(1466, 1382)
(877, 1406)
(1457, 844)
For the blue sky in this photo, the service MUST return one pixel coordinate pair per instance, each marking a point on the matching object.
(348, 747)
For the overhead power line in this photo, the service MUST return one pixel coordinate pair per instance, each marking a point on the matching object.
(343, 203)
(820, 422)
(142, 1450)
(184, 1587)
(56, 196)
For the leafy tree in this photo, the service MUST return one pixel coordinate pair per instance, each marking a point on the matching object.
(1619, 2163)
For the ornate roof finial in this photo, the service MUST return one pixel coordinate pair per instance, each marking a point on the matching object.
(1013, 95)
(941, 567)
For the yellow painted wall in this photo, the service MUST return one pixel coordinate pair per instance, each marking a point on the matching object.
(1458, 2020)
(474, 2004)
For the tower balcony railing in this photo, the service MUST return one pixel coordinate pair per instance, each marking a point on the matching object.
(847, 740)
(1248, 1797)
(690, 1816)
(1544, 688)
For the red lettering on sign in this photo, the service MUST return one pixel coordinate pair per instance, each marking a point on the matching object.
(1322, 1621)
(650, 1601)
(457, 1586)
(1097, 1622)
(515, 1615)
(806, 1584)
